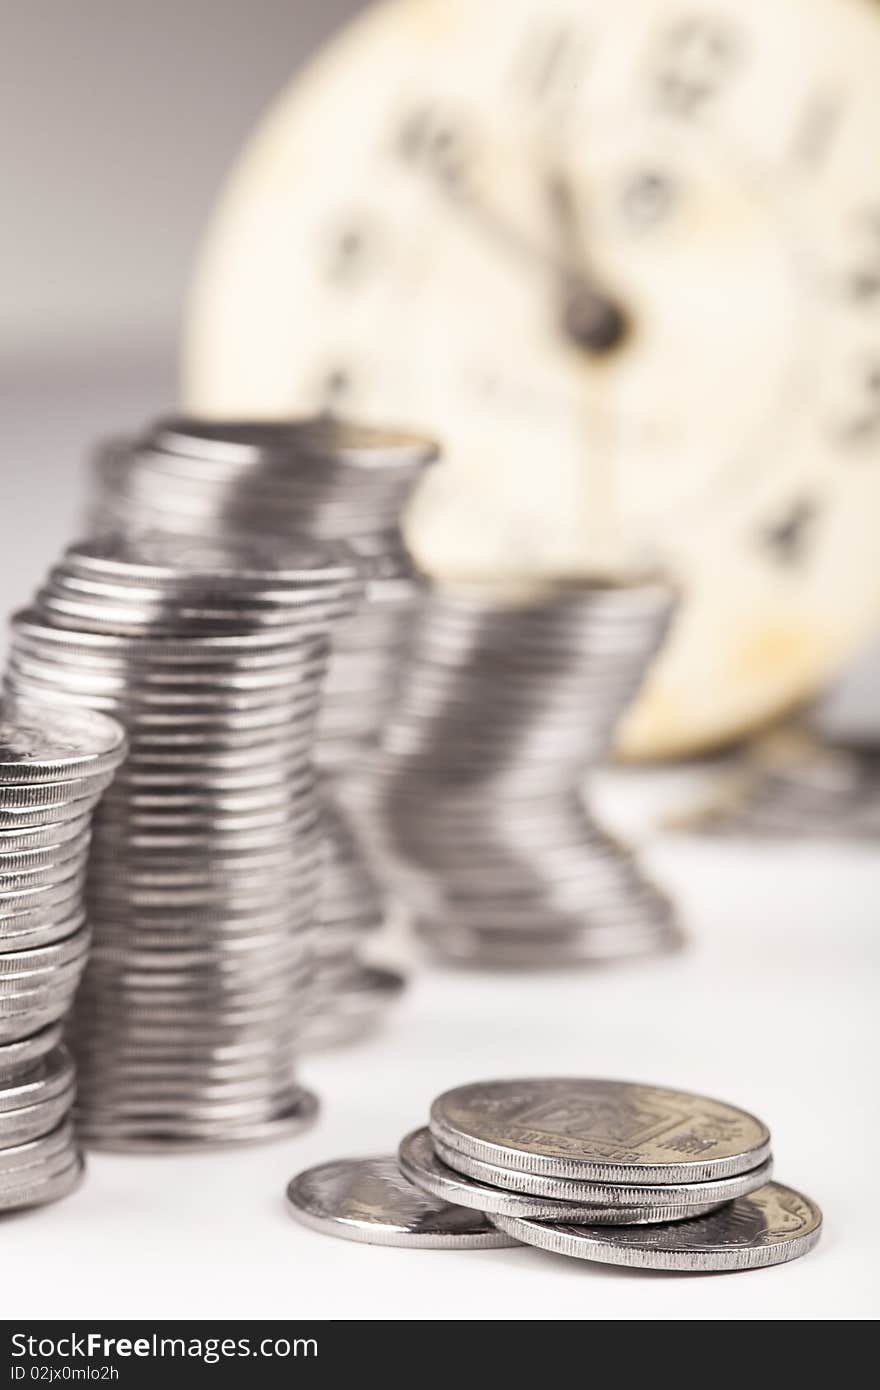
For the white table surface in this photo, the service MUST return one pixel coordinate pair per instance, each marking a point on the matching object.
(773, 1006)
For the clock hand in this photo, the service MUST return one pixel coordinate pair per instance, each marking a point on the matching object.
(590, 316)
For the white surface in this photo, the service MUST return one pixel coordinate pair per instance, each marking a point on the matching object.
(773, 1007)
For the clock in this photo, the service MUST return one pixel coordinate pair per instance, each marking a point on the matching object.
(624, 260)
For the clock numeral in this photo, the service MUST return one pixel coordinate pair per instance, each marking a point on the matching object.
(348, 252)
(863, 425)
(862, 282)
(693, 62)
(334, 390)
(646, 198)
(787, 538)
(815, 132)
(552, 64)
(434, 141)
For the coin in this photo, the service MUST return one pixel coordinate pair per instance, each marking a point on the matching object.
(420, 1163)
(211, 652)
(214, 484)
(770, 1226)
(369, 1200)
(599, 1131)
(48, 745)
(159, 1134)
(43, 1080)
(44, 1189)
(707, 1193)
(24, 1053)
(506, 702)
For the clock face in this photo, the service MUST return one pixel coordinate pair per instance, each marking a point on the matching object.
(625, 262)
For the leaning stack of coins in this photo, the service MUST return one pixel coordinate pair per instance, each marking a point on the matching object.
(599, 1170)
(502, 709)
(334, 481)
(54, 766)
(205, 862)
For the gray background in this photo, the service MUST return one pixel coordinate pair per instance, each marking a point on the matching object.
(118, 120)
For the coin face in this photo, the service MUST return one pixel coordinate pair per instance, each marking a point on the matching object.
(157, 557)
(48, 744)
(599, 1130)
(323, 439)
(769, 1227)
(369, 1200)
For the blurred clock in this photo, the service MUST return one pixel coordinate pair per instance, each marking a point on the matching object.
(625, 261)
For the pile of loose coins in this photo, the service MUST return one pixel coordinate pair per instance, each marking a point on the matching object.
(205, 861)
(328, 480)
(796, 786)
(608, 1171)
(54, 766)
(503, 708)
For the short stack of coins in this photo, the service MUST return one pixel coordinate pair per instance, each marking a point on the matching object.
(204, 872)
(330, 480)
(54, 766)
(502, 710)
(610, 1171)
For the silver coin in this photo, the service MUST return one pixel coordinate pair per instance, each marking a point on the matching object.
(17, 1056)
(45, 1079)
(369, 1200)
(420, 1163)
(30, 796)
(39, 1012)
(161, 1134)
(235, 563)
(38, 1153)
(768, 1227)
(50, 1189)
(54, 957)
(39, 745)
(706, 1194)
(599, 1131)
(32, 1121)
(41, 838)
(14, 1181)
(191, 652)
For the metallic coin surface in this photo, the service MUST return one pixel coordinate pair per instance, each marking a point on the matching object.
(44, 1188)
(369, 1200)
(707, 1193)
(420, 1163)
(599, 1131)
(40, 745)
(769, 1227)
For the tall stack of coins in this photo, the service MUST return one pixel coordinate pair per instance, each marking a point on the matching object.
(54, 766)
(610, 1171)
(204, 872)
(502, 709)
(333, 481)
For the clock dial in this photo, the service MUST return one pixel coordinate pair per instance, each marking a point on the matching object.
(625, 262)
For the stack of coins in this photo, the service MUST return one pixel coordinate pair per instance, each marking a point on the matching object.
(600, 1170)
(204, 872)
(54, 766)
(501, 711)
(796, 786)
(333, 481)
